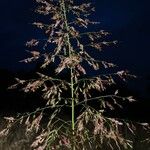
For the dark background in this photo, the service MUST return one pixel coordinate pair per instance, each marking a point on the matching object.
(127, 20)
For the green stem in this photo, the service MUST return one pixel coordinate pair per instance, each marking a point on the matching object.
(72, 104)
(71, 72)
(66, 27)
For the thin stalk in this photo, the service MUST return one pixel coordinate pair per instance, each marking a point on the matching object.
(71, 72)
(72, 104)
(67, 27)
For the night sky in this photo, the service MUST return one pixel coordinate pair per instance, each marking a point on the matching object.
(127, 20)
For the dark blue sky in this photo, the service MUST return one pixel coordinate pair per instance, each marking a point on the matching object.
(127, 20)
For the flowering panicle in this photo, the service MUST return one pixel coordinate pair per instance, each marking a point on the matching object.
(71, 50)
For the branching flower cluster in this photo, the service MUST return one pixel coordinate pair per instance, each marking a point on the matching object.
(70, 48)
